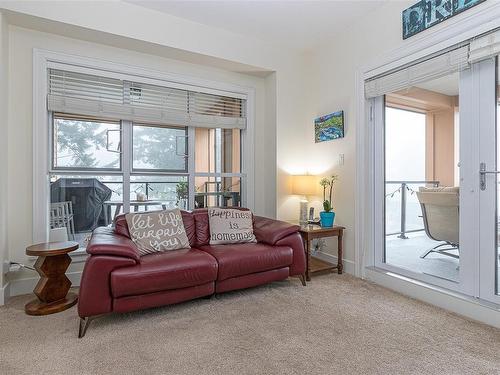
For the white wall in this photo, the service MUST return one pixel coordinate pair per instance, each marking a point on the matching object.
(292, 120)
(20, 152)
(332, 87)
(4, 95)
(142, 24)
(95, 29)
(110, 21)
(300, 89)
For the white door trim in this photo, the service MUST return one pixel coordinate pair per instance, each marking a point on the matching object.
(468, 25)
(469, 218)
(473, 23)
(487, 199)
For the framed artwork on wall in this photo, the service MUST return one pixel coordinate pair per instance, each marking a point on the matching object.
(427, 13)
(329, 127)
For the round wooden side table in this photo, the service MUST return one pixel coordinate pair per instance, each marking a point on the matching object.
(53, 286)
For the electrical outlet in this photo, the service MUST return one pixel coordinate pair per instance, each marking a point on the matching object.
(341, 159)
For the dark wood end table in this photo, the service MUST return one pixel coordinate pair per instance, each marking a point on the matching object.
(313, 265)
(53, 286)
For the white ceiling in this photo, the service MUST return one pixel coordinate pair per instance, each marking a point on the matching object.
(295, 24)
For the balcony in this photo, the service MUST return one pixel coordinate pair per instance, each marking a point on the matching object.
(79, 204)
(406, 240)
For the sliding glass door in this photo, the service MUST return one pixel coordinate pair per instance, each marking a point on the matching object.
(437, 177)
(421, 186)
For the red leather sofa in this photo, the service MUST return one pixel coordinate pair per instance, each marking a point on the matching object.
(117, 279)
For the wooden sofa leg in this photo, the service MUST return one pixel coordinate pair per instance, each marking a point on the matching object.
(84, 324)
(303, 279)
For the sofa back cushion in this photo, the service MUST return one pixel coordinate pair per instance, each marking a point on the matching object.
(121, 226)
(195, 223)
(202, 228)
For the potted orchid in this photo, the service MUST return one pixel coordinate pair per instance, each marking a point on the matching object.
(327, 216)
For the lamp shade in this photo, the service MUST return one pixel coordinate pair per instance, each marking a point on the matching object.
(304, 185)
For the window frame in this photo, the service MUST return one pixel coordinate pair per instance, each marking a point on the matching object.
(159, 170)
(52, 144)
(221, 175)
(44, 59)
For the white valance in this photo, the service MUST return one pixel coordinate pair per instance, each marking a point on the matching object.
(426, 70)
(485, 47)
(92, 95)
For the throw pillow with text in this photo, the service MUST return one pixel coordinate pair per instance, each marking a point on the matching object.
(228, 226)
(157, 231)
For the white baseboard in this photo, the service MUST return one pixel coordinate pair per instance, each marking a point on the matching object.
(349, 265)
(463, 305)
(18, 287)
(4, 294)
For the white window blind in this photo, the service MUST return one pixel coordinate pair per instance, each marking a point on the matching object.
(429, 69)
(484, 47)
(90, 95)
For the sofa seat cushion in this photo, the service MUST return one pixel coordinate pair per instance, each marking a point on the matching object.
(246, 258)
(164, 271)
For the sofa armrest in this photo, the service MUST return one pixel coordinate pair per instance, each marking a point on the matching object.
(95, 296)
(295, 242)
(271, 231)
(105, 241)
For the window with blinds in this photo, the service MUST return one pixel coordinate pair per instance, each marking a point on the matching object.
(103, 97)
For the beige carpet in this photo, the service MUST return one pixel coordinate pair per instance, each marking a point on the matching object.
(335, 325)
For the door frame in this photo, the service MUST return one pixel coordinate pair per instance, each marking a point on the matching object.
(469, 198)
(487, 78)
(471, 24)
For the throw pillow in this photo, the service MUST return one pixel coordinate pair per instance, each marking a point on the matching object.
(157, 231)
(229, 226)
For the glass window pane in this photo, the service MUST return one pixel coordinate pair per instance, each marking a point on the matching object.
(217, 192)
(217, 150)
(158, 192)
(80, 143)
(159, 148)
(79, 204)
(422, 178)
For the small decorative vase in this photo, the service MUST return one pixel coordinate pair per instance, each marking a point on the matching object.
(327, 219)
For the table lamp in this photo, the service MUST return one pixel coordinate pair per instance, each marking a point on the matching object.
(304, 186)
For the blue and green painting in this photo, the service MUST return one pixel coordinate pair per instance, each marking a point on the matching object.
(329, 127)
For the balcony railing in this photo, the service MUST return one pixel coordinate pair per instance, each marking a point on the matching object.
(403, 188)
(165, 192)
